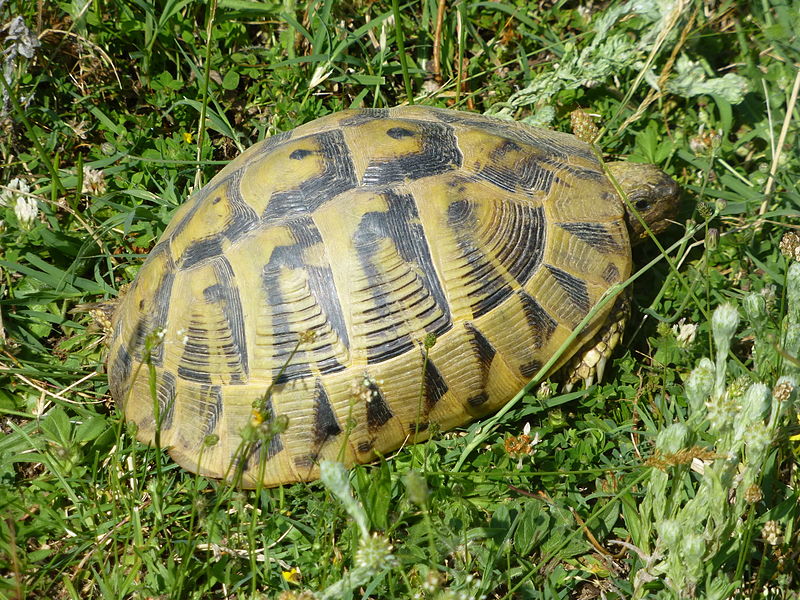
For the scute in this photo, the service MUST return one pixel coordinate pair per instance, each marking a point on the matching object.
(305, 277)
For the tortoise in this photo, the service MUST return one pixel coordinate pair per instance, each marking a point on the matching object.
(287, 313)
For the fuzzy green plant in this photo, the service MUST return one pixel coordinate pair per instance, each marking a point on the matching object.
(652, 27)
(374, 555)
(704, 495)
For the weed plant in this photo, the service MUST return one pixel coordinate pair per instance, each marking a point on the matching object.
(676, 477)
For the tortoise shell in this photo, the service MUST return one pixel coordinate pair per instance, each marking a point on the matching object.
(305, 277)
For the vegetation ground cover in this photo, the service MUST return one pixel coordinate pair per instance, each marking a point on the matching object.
(674, 477)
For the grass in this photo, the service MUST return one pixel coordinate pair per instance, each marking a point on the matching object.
(675, 477)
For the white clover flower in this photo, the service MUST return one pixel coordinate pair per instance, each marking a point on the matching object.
(684, 333)
(94, 181)
(26, 209)
(16, 187)
(772, 533)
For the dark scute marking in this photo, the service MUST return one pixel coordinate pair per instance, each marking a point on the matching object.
(321, 286)
(274, 141)
(530, 369)
(285, 205)
(214, 293)
(464, 118)
(212, 415)
(378, 412)
(337, 177)
(227, 293)
(241, 220)
(159, 310)
(460, 214)
(399, 133)
(435, 385)
(439, 154)
(194, 364)
(542, 324)
(504, 148)
(519, 133)
(192, 374)
(364, 447)
(518, 247)
(400, 224)
(165, 392)
(389, 348)
(275, 445)
(478, 399)
(243, 217)
(524, 251)
(325, 424)
(611, 273)
(364, 116)
(482, 347)
(527, 174)
(485, 353)
(590, 174)
(321, 283)
(304, 462)
(299, 154)
(415, 428)
(119, 373)
(197, 202)
(200, 251)
(195, 360)
(593, 234)
(329, 364)
(280, 378)
(576, 288)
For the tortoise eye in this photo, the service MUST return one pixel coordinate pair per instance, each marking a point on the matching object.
(642, 204)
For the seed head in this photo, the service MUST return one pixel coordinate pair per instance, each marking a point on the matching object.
(753, 494)
(790, 245)
(375, 553)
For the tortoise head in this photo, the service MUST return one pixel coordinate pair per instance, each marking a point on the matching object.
(652, 192)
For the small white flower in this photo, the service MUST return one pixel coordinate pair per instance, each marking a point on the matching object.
(26, 210)
(16, 187)
(684, 333)
(772, 533)
(94, 182)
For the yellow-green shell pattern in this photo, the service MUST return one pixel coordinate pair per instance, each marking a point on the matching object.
(314, 266)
